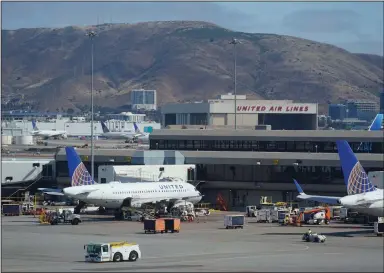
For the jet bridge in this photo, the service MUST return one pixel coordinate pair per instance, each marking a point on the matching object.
(158, 158)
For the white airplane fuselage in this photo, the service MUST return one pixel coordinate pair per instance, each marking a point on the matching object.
(119, 135)
(113, 194)
(144, 139)
(49, 133)
(371, 203)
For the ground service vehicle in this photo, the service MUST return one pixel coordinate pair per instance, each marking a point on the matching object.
(112, 252)
(234, 221)
(379, 226)
(66, 217)
(251, 211)
(317, 216)
(309, 236)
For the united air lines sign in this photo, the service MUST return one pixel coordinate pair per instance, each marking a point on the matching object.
(296, 108)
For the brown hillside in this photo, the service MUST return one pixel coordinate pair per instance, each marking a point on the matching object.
(182, 60)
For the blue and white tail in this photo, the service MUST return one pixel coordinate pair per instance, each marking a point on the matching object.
(137, 130)
(77, 171)
(377, 123)
(104, 127)
(355, 177)
(34, 127)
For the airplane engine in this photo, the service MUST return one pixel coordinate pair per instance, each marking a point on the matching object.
(128, 202)
(378, 207)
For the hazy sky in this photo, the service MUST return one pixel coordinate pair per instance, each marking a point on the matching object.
(355, 26)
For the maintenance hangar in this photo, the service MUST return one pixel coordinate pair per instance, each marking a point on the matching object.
(245, 165)
(220, 113)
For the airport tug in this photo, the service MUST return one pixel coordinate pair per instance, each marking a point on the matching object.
(309, 236)
(112, 252)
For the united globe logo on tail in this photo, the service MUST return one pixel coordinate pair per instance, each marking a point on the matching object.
(358, 181)
(81, 176)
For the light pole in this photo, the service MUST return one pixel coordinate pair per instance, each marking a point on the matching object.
(92, 35)
(234, 42)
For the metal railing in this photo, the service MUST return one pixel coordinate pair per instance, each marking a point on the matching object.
(37, 179)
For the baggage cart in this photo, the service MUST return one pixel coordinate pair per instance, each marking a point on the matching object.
(172, 224)
(379, 226)
(11, 209)
(154, 225)
(263, 216)
(234, 221)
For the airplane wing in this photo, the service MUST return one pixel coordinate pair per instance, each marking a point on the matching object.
(49, 191)
(59, 134)
(157, 200)
(54, 193)
(317, 198)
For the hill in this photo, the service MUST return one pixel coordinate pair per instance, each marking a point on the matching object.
(183, 60)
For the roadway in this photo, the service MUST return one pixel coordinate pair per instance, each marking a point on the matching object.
(204, 246)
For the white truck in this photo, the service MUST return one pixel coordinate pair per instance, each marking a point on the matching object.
(251, 211)
(112, 252)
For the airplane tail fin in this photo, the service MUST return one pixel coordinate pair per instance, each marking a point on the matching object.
(299, 189)
(376, 123)
(137, 130)
(34, 127)
(355, 177)
(77, 171)
(104, 127)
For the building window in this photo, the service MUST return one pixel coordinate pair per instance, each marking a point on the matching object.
(189, 145)
(197, 144)
(299, 146)
(161, 145)
(281, 145)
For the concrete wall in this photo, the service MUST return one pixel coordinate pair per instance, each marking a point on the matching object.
(242, 120)
(174, 108)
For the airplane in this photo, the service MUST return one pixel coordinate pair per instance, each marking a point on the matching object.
(362, 196)
(376, 125)
(117, 135)
(140, 137)
(46, 133)
(115, 195)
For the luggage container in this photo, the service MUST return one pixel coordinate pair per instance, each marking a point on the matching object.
(11, 209)
(234, 221)
(274, 216)
(154, 225)
(263, 216)
(379, 226)
(172, 224)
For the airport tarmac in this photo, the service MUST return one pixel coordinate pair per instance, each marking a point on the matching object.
(204, 246)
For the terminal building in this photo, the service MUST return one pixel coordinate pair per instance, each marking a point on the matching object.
(144, 99)
(220, 113)
(243, 165)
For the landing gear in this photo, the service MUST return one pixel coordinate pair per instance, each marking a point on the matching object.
(79, 207)
(119, 214)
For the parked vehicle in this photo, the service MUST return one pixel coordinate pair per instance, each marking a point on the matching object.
(112, 252)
